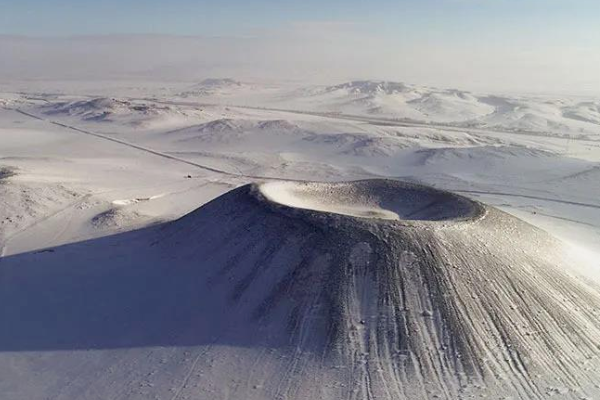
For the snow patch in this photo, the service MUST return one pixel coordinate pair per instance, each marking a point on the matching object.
(126, 202)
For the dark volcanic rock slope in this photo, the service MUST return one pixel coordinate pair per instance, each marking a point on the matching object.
(398, 291)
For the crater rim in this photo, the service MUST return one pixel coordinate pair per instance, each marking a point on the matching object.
(383, 200)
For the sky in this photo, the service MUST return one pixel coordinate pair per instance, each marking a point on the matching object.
(533, 45)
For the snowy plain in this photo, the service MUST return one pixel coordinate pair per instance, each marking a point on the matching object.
(89, 172)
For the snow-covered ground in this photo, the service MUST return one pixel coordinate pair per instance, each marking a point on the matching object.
(90, 174)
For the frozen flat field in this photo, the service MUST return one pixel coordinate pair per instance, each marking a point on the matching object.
(97, 293)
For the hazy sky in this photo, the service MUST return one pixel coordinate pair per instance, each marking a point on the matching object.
(537, 45)
(544, 19)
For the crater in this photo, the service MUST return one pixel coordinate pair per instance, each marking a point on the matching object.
(374, 199)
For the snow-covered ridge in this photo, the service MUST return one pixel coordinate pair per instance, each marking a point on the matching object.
(483, 153)
(585, 111)
(133, 113)
(229, 124)
(213, 86)
(104, 108)
(422, 103)
(236, 131)
(371, 87)
(219, 82)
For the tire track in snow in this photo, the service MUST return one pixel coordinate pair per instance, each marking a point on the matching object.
(188, 375)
